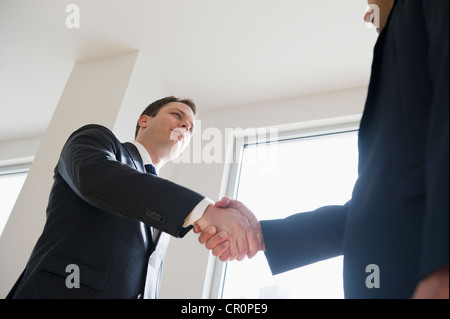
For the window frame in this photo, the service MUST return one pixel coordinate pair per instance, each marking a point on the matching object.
(213, 288)
(15, 169)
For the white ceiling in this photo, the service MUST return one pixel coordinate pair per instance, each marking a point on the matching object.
(221, 53)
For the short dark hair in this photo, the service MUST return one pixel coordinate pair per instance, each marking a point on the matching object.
(154, 108)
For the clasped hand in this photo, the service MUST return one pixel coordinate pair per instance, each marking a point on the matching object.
(230, 230)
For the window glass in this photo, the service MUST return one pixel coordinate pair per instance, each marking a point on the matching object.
(10, 186)
(280, 179)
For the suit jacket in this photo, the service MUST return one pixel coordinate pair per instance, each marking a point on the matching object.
(397, 218)
(99, 212)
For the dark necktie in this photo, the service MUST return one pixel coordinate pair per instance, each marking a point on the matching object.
(149, 168)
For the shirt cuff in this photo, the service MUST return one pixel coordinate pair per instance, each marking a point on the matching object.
(197, 212)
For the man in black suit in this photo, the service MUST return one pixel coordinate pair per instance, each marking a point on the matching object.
(109, 215)
(396, 225)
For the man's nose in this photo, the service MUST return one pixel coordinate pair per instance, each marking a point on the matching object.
(185, 125)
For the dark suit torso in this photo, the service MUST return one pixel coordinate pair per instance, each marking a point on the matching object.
(99, 212)
(398, 216)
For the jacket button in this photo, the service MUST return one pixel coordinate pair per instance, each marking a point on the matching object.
(153, 215)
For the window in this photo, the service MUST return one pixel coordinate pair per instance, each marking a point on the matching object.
(11, 182)
(279, 178)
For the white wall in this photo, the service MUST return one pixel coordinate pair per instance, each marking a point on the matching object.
(185, 270)
(19, 151)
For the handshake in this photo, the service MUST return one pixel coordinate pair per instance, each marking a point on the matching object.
(230, 230)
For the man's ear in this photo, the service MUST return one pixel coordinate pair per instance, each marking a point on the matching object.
(143, 121)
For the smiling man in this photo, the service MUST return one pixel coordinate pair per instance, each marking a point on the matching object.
(166, 131)
(109, 215)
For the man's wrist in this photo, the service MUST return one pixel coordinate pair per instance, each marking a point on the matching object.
(197, 212)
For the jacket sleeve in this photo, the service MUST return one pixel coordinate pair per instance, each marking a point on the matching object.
(435, 248)
(93, 164)
(304, 238)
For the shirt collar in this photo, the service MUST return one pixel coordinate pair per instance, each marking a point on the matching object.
(146, 159)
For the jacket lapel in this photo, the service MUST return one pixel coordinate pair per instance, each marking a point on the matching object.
(135, 157)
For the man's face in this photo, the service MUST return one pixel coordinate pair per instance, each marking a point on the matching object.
(170, 130)
(385, 7)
